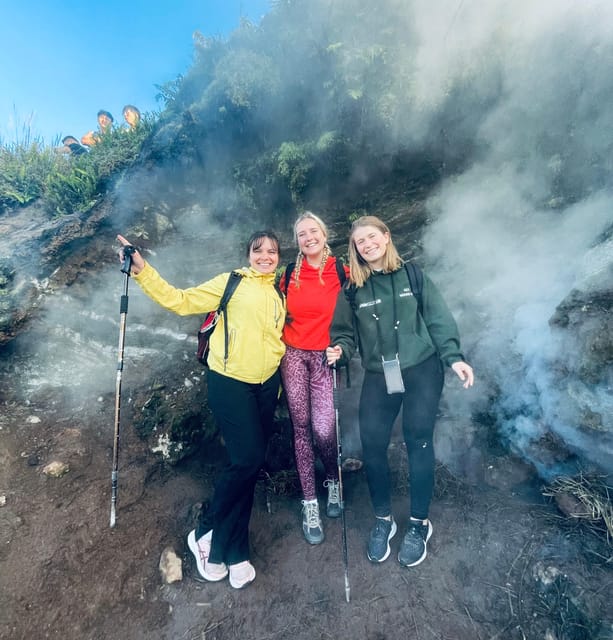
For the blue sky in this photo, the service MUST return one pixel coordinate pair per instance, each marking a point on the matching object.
(63, 60)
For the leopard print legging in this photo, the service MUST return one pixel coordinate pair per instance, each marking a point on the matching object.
(307, 381)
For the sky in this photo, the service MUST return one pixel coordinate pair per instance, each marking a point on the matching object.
(63, 60)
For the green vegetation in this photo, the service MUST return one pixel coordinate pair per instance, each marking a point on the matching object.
(311, 105)
(64, 183)
(301, 110)
(24, 167)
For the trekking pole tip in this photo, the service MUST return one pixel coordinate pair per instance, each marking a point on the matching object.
(112, 518)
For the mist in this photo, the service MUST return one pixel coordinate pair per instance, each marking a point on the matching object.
(509, 102)
(527, 222)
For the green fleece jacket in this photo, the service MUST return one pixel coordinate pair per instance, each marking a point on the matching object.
(419, 336)
(256, 315)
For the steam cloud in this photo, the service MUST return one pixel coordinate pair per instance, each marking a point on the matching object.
(524, 224)
(522, 93)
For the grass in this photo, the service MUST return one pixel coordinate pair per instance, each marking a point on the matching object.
(66, 184)
(594, 496)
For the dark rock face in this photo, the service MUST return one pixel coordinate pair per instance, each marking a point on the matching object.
(59, 301)
(587, 316)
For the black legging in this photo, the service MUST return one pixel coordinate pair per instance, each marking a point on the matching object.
(244, 413)
(423, 385)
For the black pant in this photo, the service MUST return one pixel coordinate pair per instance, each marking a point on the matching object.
(423, 385)
(244, 413)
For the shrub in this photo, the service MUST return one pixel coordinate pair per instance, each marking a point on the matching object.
(23, 169)
(67, 184)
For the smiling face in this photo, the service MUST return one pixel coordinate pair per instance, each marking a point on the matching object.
(131, 117)
(264, 255)
(371, 244)
(104, 122)
(311, 240)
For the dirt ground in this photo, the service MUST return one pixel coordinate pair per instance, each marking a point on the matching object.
(502, 563)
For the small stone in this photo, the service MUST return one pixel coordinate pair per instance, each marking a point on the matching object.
(571, 506)
(170, 566)
(56, 469)
(33, 419)
(351, 464)
(33, 460)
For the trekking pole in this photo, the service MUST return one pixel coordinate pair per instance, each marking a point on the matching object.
(339, 450)
(123, 312)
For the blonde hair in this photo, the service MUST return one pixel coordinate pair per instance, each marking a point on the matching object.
(358, 267)
(309, 215)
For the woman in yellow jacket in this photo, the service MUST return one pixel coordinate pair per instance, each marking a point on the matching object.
(242, 394)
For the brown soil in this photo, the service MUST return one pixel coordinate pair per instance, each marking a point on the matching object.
(502, 563)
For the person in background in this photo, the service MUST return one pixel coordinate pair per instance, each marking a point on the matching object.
(105, 124)
(71, 145)
(131, 115)
(403, 350)
(242, 394)
(312, 290)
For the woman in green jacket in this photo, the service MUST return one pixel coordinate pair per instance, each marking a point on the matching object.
(403, 349)
(243, 388)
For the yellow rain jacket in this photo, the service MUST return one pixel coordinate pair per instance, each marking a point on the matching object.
(256, 314)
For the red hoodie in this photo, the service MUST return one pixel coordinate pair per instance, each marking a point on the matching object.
(311, 306)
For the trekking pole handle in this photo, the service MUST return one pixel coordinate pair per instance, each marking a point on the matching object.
(128, 252)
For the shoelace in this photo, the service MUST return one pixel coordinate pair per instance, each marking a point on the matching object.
(333, 491)
(312, 515)
(416, 531)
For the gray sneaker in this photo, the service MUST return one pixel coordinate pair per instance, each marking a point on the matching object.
(414, 547)
(333, 506)
(311, 523)
(379, 541)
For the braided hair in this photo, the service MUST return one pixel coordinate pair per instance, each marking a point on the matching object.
(327, 252)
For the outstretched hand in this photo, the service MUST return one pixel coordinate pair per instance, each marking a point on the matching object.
(465, 372)
(138, 262)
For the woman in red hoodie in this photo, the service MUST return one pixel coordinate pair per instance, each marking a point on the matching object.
(312, 290)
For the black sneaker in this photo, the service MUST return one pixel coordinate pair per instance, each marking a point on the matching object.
(379, 541)
(414, 547)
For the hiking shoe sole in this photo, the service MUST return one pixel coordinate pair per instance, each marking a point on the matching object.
(314, 538)
(241, 574)
(333, 510)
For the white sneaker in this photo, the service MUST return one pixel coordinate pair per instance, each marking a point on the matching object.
(311, 522)
(201, 549)
(241, 574)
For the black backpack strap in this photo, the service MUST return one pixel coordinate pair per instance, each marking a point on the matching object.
(416, 282)
(286, 277)
(340, 271)
(231, 285)
(350, 291)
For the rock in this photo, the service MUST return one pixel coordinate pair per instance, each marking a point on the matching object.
(571, 506)
(545, 574)
(170, 566)
(352, 464)
(56, 469)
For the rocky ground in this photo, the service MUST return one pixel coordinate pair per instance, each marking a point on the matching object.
(503, 561)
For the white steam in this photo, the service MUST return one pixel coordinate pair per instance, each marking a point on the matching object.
(522, 226)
